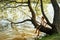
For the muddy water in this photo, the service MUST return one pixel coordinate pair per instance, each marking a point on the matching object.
(18, 34)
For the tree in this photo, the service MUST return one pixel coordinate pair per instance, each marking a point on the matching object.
(55, 25)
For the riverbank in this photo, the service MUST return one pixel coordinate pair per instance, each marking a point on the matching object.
(51, 37)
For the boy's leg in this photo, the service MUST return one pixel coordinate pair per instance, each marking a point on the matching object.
(38, 32)
(36, 29)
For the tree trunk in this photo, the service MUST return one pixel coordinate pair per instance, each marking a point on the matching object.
(42, 28)
(56, 20)
(55, 26)
(55, 23)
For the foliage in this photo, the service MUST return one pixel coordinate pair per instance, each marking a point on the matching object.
(52, 37)
(5, 6)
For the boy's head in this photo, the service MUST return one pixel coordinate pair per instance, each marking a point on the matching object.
(42, 17)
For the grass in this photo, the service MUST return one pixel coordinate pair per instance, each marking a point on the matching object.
(51, 37)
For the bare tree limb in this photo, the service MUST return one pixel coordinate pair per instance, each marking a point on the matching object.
(32, 12)
(16, 6)
(44, 13)
(15, 2)
(33, 18)
(23, 21)
(19, 22)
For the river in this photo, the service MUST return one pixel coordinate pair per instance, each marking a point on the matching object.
(24, 31)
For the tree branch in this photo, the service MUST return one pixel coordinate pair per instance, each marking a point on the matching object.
(44, 13)
(33, 18)
(32, 12)
(23, 21)
(14, 6)
(19, 22)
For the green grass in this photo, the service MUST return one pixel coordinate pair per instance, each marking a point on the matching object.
(51, 37)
